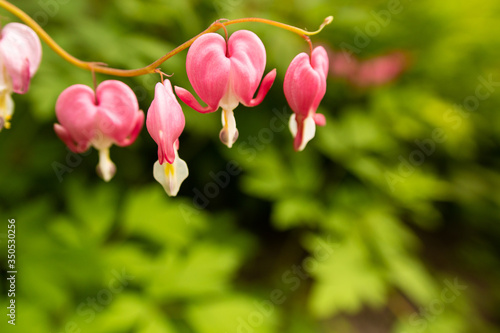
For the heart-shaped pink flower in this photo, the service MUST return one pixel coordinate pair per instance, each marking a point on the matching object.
(109, 116)
(304, 87)
(226, 74)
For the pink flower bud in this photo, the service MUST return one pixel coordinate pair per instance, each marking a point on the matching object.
(226, 74)
(20, 56)
(165, 123)
(305, 86)
(109, 116)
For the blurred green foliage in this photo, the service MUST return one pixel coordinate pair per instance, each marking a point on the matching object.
(347, 236)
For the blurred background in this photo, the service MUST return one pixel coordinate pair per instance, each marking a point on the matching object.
(387, 222)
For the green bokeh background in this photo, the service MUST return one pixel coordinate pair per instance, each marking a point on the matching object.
(343, 237)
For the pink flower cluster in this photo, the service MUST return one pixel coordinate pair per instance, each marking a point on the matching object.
(368, 73)
(223, 74)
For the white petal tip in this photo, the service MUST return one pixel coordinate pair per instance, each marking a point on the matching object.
(307, 128)
(292, 125)
(106, 169)
(229, 133)
(227, 137)
(171, 176)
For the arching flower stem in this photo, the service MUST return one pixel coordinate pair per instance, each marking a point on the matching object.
(102, 68)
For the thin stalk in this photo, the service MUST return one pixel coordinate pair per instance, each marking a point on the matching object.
(97, 67)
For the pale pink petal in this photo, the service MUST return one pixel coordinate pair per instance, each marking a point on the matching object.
(76, 112)
(305, 81)
(21, 53)
(266, 84)
(165, 121)
(74, 146)
(301, 85)
(192, 102)
(248, 61)
(319, 119)
(319, 60)
(113, 116)
(118, 110)
(208, 70)
(138, 122)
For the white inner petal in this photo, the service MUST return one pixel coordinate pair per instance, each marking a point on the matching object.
(171, 176)
(292, 124)
(6, 102)
(106, 169)
(229, 132)
(309, 131)
(229, 101)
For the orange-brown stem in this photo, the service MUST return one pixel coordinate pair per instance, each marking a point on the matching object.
(101, 68)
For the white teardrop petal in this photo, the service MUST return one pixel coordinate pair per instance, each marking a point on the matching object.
(106, 169)
(229, 132)
(171, 176)
(309, 132)
(292, 124)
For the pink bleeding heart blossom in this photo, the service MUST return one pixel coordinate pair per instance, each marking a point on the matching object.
(165, 123)
(372, 72)
(100, 119)
(380, 70)
(305, 86)
(20, 56)
(226, 74)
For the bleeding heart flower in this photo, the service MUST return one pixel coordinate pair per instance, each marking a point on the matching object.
(20, 56)
(368, 73)
(305, 86)
(380, 70)
(165, 123)
(109, 116)
(226, 74)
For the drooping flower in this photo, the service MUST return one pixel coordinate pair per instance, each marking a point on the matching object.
(226, 74)
(20, 56)
(304, 87)
(108, 116)
(165, 123)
